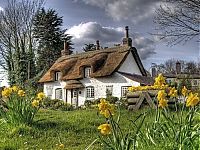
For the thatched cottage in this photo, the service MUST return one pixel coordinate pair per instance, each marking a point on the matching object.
(91, 75)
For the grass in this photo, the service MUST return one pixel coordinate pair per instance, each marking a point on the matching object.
(75, 129)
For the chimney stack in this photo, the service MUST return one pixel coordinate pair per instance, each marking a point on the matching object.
(127, 41)
(178, 67)
(97, 45)
(65, 51)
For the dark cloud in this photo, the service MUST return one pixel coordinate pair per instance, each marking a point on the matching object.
(89, 32)
(132, 10)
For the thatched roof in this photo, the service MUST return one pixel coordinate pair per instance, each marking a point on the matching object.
(73, 84)
(103, 62)
(144, 80)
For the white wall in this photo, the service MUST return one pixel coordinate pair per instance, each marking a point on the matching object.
(130, 65)
(116, 80)
(3, 78)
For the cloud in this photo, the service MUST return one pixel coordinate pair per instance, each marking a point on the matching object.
(132, 10)
(1, 9)
(89, 32)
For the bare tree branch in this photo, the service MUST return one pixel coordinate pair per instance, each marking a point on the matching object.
(178, 21)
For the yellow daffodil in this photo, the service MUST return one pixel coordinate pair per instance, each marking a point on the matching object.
(173, 93)
(184, 91)
(106, 108)
(161, 95)
(6, 92)
(35, 103)
(163, 103)
(192, 100)
(21, 93)
(105, 129)
(61, 146)
(159, 81)
(40, 95)
(15, 88)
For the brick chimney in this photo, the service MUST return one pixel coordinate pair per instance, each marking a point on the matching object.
(65, 51)
(127, 41)
(178, 67)
(97, 45)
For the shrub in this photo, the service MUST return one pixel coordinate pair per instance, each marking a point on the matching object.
(112, 99)
(66, 107)
(57, 104)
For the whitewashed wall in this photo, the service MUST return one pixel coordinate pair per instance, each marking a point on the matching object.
(3, 78)
(130, 65)
(116, 80)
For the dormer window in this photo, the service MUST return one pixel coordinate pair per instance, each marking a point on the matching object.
(57, 75)
(87, 72)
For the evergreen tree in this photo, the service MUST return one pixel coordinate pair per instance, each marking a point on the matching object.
(89, 47)
(47, 30)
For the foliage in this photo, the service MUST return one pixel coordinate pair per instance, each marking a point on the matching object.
(169, 67)
(47, 31)
(19, 107)
(57, 104)
(17, 44)
(178, 20)
(89, 47)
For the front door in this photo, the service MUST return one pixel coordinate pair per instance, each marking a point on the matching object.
(74, 93)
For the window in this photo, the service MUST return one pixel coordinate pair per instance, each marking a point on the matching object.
(58, 93)
(168, 81)
(124, 90)
(109, 90)
(57, 75)
(195, 83)
(87, 72)
(90, 92)
(49, 90)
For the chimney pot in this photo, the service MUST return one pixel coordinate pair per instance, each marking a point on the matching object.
(178, 67)
(65, 51)
(98, 45)
(127, 34)
(127, 41)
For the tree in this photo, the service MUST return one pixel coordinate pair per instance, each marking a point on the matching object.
(89, 47)
(178, 20)
(16, 39)
(169, 67)
(191, 67)
(50, 37)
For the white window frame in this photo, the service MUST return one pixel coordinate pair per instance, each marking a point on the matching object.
(61, 93)
(90, 92)
(57, 75)
(194, 82)
(49, 90)
(110, 89)
(87, 72)
(124, 90)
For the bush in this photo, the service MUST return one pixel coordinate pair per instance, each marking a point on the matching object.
(66, 107)
(57, 104)
(112, 99)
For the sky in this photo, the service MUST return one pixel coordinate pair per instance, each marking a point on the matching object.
(104, 20)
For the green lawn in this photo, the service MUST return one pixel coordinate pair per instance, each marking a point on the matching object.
(75, 129)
